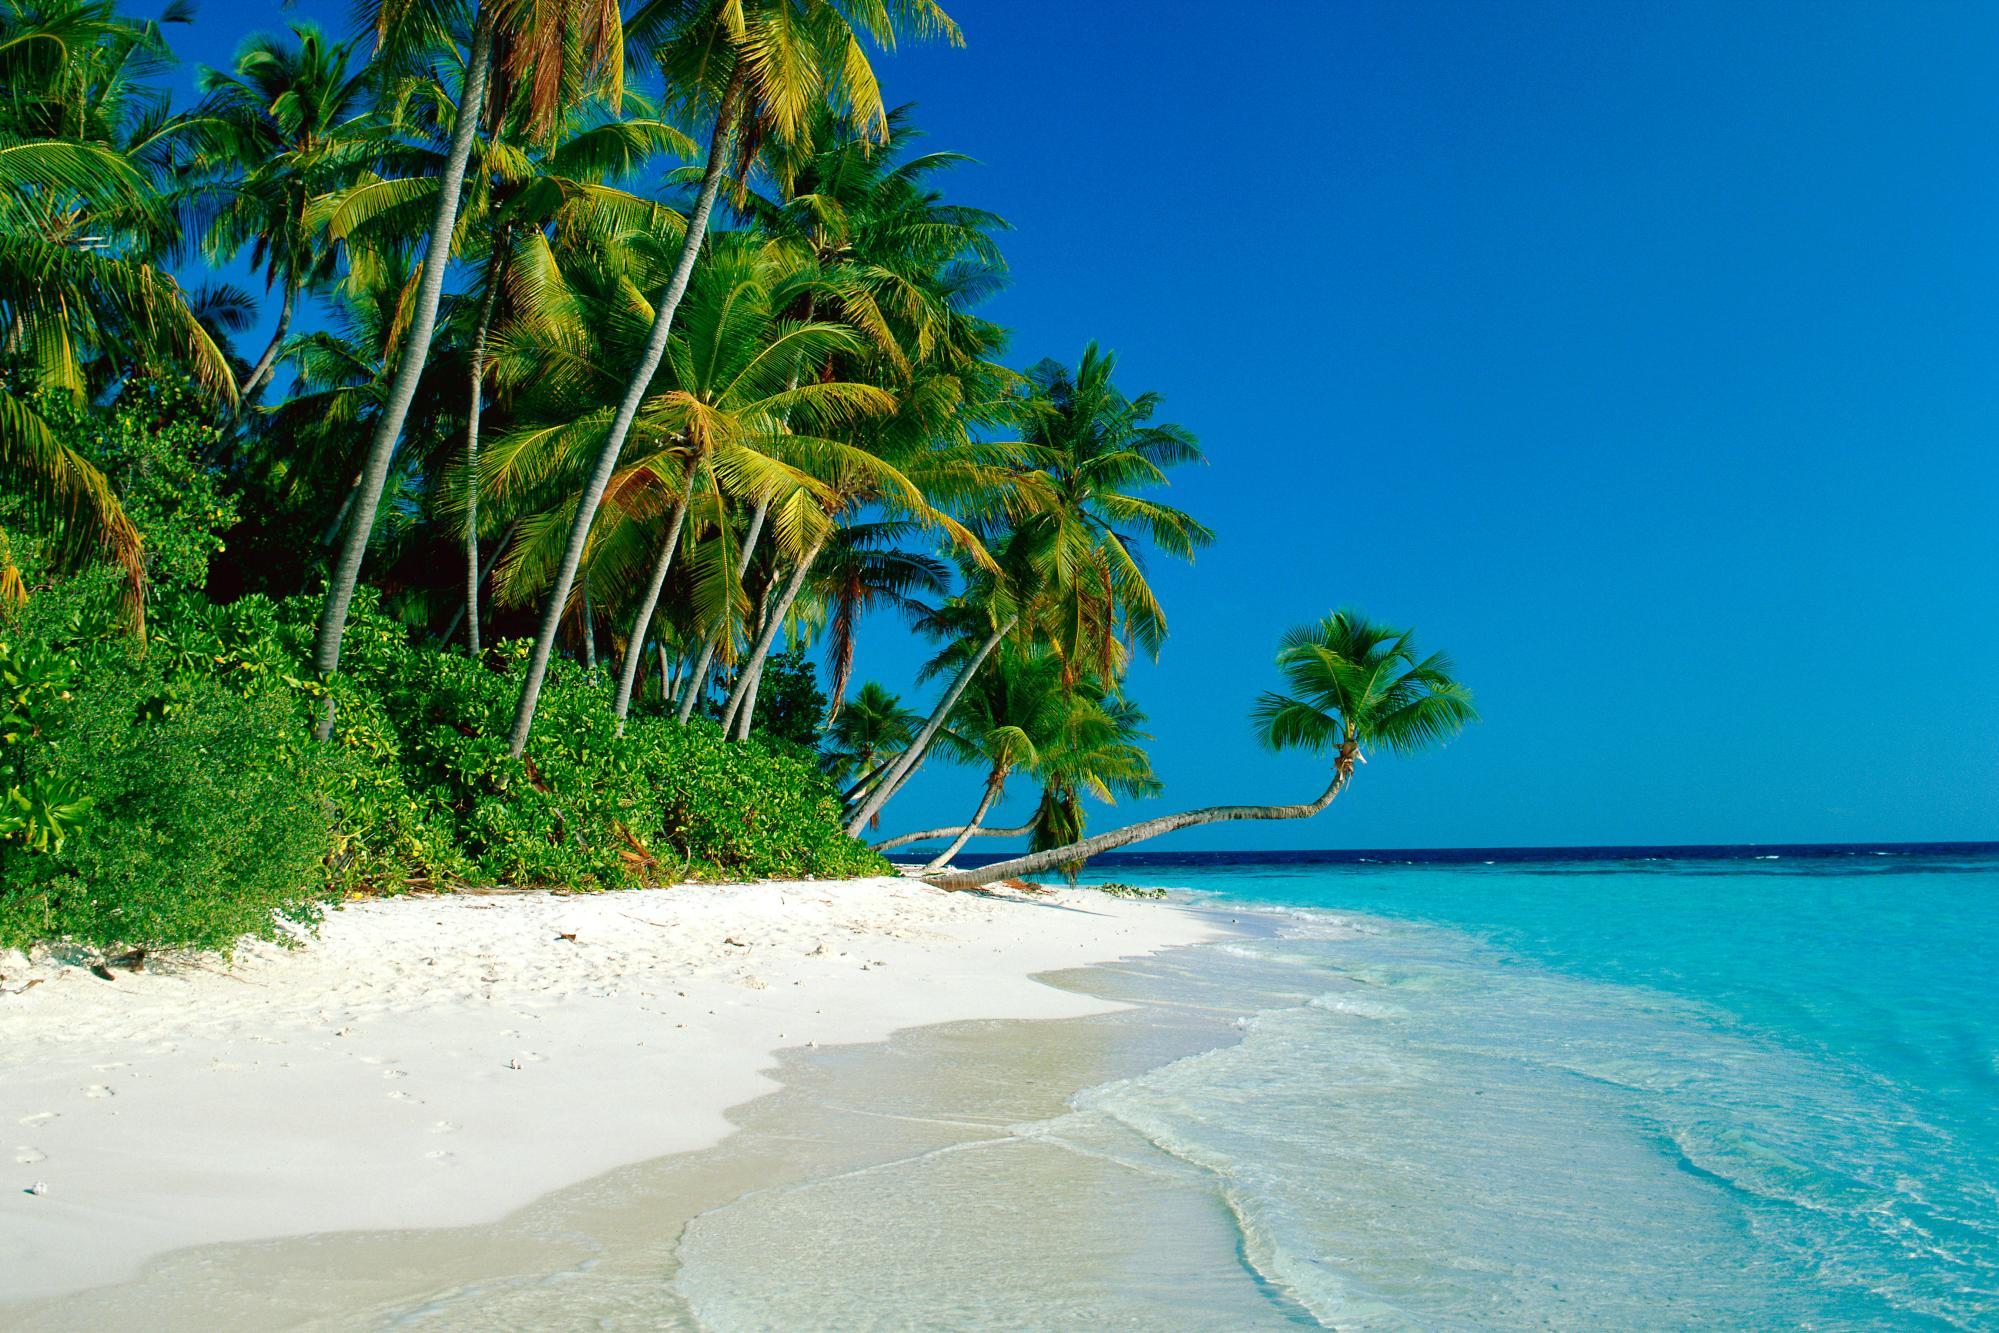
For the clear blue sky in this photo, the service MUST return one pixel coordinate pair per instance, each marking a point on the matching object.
(1641, 356)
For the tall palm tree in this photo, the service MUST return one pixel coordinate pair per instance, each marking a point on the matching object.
(1065, 545)
(1354, 686)
(542, 46)
(901, 266)
(88, 152)
(726, 413)
(285, 118)
(762, 65)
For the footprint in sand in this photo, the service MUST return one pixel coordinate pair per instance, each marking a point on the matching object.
(444, 1127)
(441, 1157)
(27, 1156)
(395, 1073)
(115, 1064)
(38, 1118)
(399, 1096)
(98, 1090)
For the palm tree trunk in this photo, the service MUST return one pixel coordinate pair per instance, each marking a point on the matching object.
(1152, 828)
(423, 321)
(635, 647)
(485, 573)
(697, 679)
(745, 692)
(935, 723)
(628, 408)
(925, 835)
(994, 785)
(487, 300)
(589, 630)
(867, 780)
(739, 730)
(665, 672)
(269, 360)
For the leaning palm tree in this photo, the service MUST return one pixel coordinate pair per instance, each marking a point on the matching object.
(1354, 686)
(1014, 712)
(546, 46)
(1066, 543)
(762, 66)
(872, 726)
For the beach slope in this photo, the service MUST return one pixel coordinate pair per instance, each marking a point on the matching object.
(440, 1061)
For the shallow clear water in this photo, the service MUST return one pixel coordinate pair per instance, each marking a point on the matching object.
(1647, 1093)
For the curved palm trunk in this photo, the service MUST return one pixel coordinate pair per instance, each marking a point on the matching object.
(635, 646)
(628, 408)
(925, 835)
(1152, 828)
(589, 629)
(487, 301)
(697, 679)
(739, 730)
(909, 758)
(485, 574)
(867, 781)
(402, 391)
(743, 698)
(269, 360)
(994, 785)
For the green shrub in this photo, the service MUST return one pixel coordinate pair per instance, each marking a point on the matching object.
(202, 815)
(199, 809)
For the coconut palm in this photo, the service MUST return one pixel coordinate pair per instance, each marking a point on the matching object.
(873, 726)
(87, 151)
(547, 46)
(286, 118)
(1353, 686)
(1017, 707)
(762, 66)
(726, 418)
(1068, 572)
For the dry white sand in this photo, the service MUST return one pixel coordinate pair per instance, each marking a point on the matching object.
(440, 1061)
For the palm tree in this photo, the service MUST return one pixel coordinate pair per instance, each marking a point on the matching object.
(900, 265)
(285, 119)
(726, 413)
(762, 65)
(545, 46)
(1017, 707)
(1354, 686)
(1064, 545)
(873, 726)
(87, 152)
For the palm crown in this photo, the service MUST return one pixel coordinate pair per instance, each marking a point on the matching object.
(1354, 685)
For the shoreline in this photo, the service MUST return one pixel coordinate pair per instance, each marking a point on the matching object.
(434, 1062)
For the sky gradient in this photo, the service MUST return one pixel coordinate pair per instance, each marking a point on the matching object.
(1639, 356)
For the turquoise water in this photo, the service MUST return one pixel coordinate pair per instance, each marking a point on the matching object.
(1640, 1093)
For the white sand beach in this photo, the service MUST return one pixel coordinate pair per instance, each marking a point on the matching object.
(439, 1061)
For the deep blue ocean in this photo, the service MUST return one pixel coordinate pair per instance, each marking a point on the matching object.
(1626, 1087)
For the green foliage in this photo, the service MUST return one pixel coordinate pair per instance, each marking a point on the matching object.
(583, 808)
(790, 704)
(178, 799)
(153, 444)
(1118, 889)
(40, 811)
(193, 813)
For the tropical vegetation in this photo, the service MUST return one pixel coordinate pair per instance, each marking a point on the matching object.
(452, 453)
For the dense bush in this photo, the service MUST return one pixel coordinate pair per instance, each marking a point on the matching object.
(180, 800)
(192, 810)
